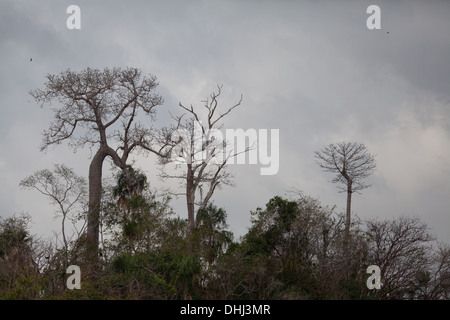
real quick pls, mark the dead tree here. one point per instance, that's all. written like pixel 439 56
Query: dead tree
pixel 199 148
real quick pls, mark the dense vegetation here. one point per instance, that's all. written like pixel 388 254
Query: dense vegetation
pixel 294 249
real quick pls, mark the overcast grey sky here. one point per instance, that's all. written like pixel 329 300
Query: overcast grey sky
pixel 311 69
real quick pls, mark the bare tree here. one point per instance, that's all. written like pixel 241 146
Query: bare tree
pixel 401 248
pixel 440 273
pixel 195 145
pixel 65 189
pixel 352 163
pixel 101 106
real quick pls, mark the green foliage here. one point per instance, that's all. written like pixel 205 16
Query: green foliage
pixel 19 278
pixel 14 234
pixel 161 275
pixel 138 277
pixel 25 286
pixel 294 249
pixel 210 236
pixel 134 218
pixel 129 183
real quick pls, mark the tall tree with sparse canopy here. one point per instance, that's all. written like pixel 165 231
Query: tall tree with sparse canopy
pixel 99 109
pixel 352 163
pixel 195 145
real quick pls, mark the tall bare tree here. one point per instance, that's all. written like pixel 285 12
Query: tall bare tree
pixel 195 145
pixel 352 163
pixel 101 106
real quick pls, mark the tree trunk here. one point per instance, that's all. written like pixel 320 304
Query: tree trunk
pixel 95 197
pixel 190 199
pixel 348 214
